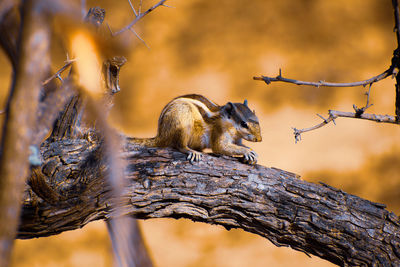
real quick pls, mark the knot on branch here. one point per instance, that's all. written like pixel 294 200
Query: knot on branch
pixel 266 79
pixel 297 134
pixel 95 16
pixel 359 111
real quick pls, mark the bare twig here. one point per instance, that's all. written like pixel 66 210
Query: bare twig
pixel 372 80
pixel 139 17
pixel 168 6
pixel 133 8
pixel 57 75
pixel 333 114
pixel 360 111
pixel 396 19
pixel 83 8
pixel 140 6
pixel 109 28
pixel 140 38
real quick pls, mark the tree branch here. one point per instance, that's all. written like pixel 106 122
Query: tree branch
pixel 33 61
pixel 393 70
pixel 57 75
pixel 396 58
pixel 139 17
pixel 280 78
pixel 316 219
pixel 334 114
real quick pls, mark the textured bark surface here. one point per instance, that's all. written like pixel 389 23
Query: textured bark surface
pixel 69 190
pixel 17 134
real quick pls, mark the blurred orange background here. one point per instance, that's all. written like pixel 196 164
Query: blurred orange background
pixel 214 48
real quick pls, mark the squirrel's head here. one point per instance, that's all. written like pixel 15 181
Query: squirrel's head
pixel 244 120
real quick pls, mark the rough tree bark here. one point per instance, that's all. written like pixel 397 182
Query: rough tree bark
pixel 69 190
pixel 32 60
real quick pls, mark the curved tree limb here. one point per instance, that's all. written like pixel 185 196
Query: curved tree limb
pixel 69 190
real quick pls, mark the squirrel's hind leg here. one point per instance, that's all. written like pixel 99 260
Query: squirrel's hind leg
pixel 182 144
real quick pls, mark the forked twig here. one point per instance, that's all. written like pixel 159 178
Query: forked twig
pixel 360 111
pixel 334 114
pixel 133 8
pixel 140 38
pixel 139 17
pixel 57 75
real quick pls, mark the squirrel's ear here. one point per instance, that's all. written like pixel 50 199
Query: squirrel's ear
pixel 228 109
pixel 245 102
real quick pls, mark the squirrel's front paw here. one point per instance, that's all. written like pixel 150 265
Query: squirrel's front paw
pixel 194 156
pixel 250 157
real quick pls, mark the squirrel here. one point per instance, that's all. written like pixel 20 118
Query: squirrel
pixel 191 123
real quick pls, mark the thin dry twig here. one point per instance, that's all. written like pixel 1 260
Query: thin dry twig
pixel 133 8
pixel 280 78
pixel 395 5
pixel 334 114
pixel 140 6
pixel 360 111
pixel 109 28
pixel 83 8
pixel 139 17
pixel 57 75
pixel 140 38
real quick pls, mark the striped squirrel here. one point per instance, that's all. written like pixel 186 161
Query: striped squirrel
pixel 191 123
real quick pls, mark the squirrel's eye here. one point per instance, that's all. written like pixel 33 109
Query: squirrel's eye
pixel 244 124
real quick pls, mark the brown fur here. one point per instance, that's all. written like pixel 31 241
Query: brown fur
pixel 191 123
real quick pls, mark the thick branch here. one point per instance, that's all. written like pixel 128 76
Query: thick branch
pixel 22 105
pixel 69 191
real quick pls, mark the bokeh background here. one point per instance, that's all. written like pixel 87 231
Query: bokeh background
pixel 214 48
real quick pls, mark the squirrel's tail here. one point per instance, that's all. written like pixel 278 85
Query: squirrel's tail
pixel 147 142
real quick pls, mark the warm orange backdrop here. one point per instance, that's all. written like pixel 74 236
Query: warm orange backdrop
pixel 215 48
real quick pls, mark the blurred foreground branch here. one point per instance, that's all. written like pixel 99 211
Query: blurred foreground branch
pixel 316 219
pixel 30 66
